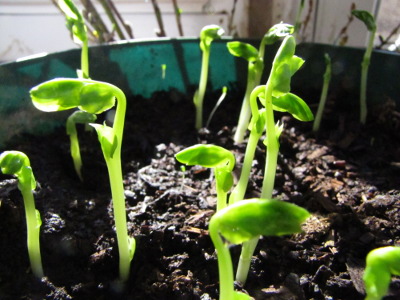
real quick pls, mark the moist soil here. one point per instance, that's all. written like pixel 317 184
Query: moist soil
pixel 347 176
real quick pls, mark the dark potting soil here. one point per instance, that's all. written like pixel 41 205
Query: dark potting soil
pixel 347 176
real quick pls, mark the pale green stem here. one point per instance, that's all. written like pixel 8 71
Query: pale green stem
pixel 221 195
pixel 75 151
pixel 322 100
pixel 199 98
pixel 85 60
pixel 117 189
pixel 225 268
pixel 268 182
pixel 245 112
pixel 239 191
pixel 33 231
pixel 364 78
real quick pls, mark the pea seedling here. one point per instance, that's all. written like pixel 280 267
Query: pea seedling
pixel 275 95
pixel 18 164
pixel 244 221
pixel 207 35
pixel 216 157
pixel 96 97
pixel 382 263
pixel 324 93
pixel 369 22
pixel 255 69
pixel 78 117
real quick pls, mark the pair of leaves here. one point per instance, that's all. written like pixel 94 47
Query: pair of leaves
pixel 59 94
pixel 208 34
pixel 211 156
pixel 17 163
pixel 247 219
pixel 284 66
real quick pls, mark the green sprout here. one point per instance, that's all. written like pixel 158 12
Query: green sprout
pixel 78 117
pixel 297 22
pixel 255 69
pixel 275 95
pixel 221 98
pixel 216 157
pixel 96 97
pixel 244 221
pixel 207 35
pixel 76 25
pixel 382 263
pixel 18 164
pixel 369 22
pixel 324 93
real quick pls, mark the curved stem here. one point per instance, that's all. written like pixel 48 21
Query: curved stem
pixel 199 98
pixel 225 268
pixel 33 231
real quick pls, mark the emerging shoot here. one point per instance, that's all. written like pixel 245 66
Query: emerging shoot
pixel 244 221
pixel 275 95
pixel 78 117
pixel 96 97
pixel 18 164
pixel 216 157
pixel 255 69
pixel 324 93
pixel 382 263
pixel 207 35
pixel 221 98
pixel 369 22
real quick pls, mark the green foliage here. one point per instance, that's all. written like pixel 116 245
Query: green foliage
pixel 107 138
pixel 245 220
pixel 366 18
pixel 244 50
pixel 208 34
pixel 59 94
pixel 277 32
pixel 211 156
pixel 75 22
pixel 382 263
pixel 18 164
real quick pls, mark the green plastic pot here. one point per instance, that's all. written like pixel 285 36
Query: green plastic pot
pixel 136 67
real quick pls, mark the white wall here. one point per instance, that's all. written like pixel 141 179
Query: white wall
pixel 34 26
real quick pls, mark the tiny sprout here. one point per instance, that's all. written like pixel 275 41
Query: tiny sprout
pixel 216 157
pixel 247 220
pixel 78 117
pixel 382 263
pixel 96 97
pixel 221 98
pixel 369 22
pixel 18 164
pixel 207 35
pixel 324 93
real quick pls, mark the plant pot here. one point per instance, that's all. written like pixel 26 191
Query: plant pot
pixel 342 176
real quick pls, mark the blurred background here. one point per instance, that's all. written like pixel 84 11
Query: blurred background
pixel 29 27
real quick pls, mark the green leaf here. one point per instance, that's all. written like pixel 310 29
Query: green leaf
pixel 208 34
pixel 277 32
pixel 224 179
pixel 382 263
pixel 294 105
pixel 79 117
pixel 132 247
pixel 244 50
pixel 209 156
pixel 96 98
pixel 57 94
pixel 26 178
pixel 248 219
pixel 75 22
pixel 107 138
pixel 366 18
pixel 66 93
pixel 12 162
